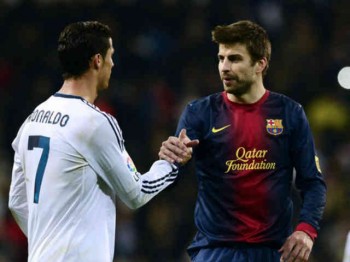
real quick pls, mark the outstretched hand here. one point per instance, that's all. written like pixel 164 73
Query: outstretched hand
pixel 178 149
pixel 297 247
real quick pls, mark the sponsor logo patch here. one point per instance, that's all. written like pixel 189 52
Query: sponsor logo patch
pixel 249 159
pixel 216 130
pixel 131 165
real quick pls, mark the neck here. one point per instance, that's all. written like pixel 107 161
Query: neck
pixel 84 86
pixel 253 95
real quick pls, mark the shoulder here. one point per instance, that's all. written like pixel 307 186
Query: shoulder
pixel 204 103
pixel 293 112
pixel 102 118
pixel 90 113
pixel 98 126
pixel 285 101
pixel 83 116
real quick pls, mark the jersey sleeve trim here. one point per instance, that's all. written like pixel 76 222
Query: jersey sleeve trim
pixel 308 229
pixel 153 186
pixel 115 127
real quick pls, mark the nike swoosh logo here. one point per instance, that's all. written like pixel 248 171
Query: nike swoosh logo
pixel 216 130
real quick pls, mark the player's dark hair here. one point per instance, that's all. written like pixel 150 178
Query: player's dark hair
pixel 245 32
pixel 78 43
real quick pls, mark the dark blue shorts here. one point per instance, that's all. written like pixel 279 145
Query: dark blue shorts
pixel 241 254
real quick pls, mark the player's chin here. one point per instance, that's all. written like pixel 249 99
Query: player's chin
pixel 230 88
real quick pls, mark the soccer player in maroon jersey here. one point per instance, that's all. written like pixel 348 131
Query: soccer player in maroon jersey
pixel 251 142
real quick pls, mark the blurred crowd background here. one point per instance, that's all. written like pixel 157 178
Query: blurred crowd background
pixel 165 58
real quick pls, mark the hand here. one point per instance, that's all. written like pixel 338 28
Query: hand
pixel 177 149
pixel 297 247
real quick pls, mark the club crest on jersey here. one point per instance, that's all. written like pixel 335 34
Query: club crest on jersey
pixel 274 126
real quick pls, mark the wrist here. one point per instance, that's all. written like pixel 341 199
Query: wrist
pixel 308 229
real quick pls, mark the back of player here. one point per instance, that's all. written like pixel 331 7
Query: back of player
pixel 70 159
pixel 64 200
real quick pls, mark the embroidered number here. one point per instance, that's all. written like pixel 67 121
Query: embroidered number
pixel 44 143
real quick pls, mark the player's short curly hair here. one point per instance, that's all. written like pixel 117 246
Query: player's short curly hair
pixel 78 43
pixel 248 33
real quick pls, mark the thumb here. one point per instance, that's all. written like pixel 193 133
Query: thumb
pixel 192 143
pixel 182 135
pixel 185 139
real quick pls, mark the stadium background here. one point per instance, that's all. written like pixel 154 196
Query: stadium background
pixel 164 58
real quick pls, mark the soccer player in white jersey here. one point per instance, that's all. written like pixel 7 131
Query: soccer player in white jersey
pixel 70 161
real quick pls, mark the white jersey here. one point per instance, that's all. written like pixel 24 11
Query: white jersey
pixel 69 163
pixel 346 257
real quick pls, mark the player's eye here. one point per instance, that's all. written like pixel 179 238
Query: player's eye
pixel 234 58
pixel 220 58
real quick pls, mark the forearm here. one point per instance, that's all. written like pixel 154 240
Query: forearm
pixel 314 200
pixel 136 190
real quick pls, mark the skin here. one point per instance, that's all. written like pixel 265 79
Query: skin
pixel 178 149
pixel 106 69
pixel 297 247
pixel 243 81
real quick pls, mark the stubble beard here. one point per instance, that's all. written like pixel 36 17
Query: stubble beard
pixel 239 89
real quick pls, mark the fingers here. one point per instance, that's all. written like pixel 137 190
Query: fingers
pixel 178 149
pixel 182 134
pixel 173 150
pixel 177 143
pixel 304 254
pixel 294 254
pixel 186 140
pixel 296 248
pixel 192 143
pixel 286 249
pixel 168 156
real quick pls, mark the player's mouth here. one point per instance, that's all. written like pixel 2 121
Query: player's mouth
pixel 229 80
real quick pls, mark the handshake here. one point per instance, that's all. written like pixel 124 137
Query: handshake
pixel 178 149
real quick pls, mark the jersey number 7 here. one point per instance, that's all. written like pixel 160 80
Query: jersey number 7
pixel 44 143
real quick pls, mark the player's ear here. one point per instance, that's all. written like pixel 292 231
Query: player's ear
pixel 96 61
pixel 261 65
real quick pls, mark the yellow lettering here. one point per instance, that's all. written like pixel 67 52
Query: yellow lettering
pixel 240 154
pixel 261 153
pixel 243 156
pixel 229 164
pixel 250 154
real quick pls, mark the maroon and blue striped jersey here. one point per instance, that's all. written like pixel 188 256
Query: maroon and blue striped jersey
pixel 245 166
